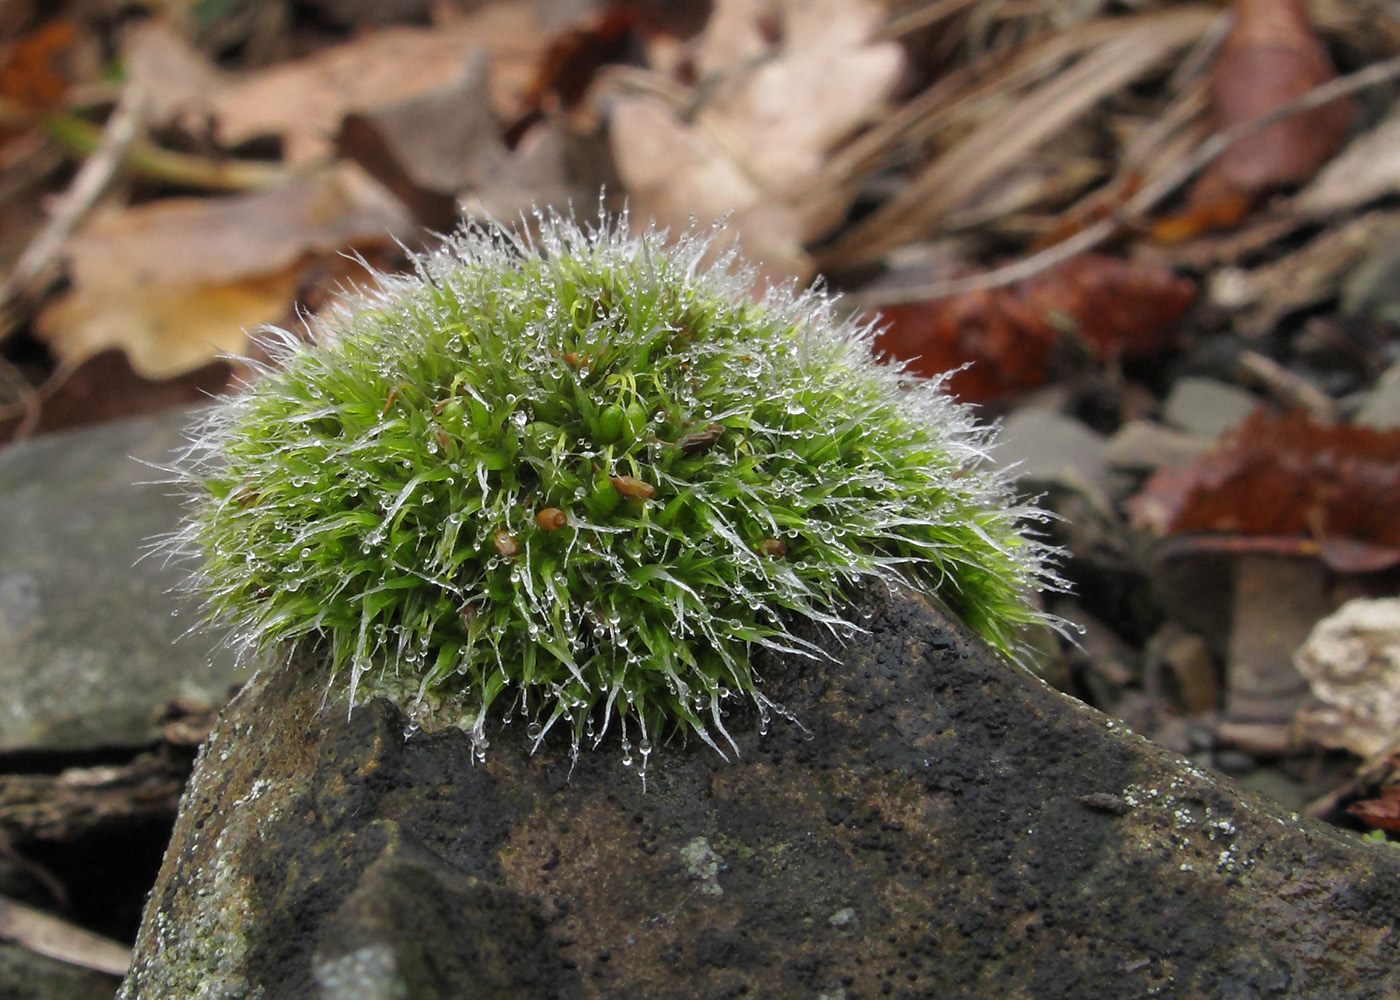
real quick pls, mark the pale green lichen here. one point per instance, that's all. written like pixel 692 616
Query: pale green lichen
pixel 580 478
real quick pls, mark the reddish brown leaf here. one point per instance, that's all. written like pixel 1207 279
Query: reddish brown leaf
pixel 1383 811
pixel 1271 57
pixel 30 72
pixel 1112 307
pixel 1281 476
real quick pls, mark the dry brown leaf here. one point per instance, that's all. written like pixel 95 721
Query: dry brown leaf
pixel 442 155
pixel 176 79
pixel 776 111
pixel 176 282
pixel 167 330
pixel 1272 56
pixel 304 101
pixel 428 147
pixel 572 60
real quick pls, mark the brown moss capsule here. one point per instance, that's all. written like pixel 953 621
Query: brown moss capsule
pixel 631 486
pixel 574 359
pixel 773 547
pixel 466 614
pixel 702 440
pixel 505 543
pixel 551 518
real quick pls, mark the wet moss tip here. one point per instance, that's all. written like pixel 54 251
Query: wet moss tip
pixel 577 478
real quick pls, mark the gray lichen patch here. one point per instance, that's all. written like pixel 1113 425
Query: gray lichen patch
pixel 703 865
pixel 368 973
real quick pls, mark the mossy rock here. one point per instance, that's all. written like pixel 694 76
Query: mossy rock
pixel 940 824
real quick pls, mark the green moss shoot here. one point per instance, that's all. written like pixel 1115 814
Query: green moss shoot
pixel 578 479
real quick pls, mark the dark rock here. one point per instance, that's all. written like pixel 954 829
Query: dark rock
pixel 952 827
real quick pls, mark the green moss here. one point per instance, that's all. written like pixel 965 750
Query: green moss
pixel 580 479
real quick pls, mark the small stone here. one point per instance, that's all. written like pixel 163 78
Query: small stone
pixel 1049 448
pixel 1141 445
pixel 1352 664
pixel 1205 407
pixel 91 645
pixel 1381 409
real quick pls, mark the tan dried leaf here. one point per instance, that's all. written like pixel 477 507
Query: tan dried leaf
pixel 176 282
pixel 304 101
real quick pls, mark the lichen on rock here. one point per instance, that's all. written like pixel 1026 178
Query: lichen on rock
pixel 577 478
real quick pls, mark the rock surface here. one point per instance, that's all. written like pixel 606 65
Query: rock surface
pixel 951 828
pixel 88 640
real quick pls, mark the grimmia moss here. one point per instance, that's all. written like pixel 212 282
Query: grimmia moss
pixel 579 478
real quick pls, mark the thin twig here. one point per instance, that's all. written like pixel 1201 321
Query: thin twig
pixel 146 159
pixel 1144 201
pixel 1287 386
pixel 45 934
pixel 88 184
